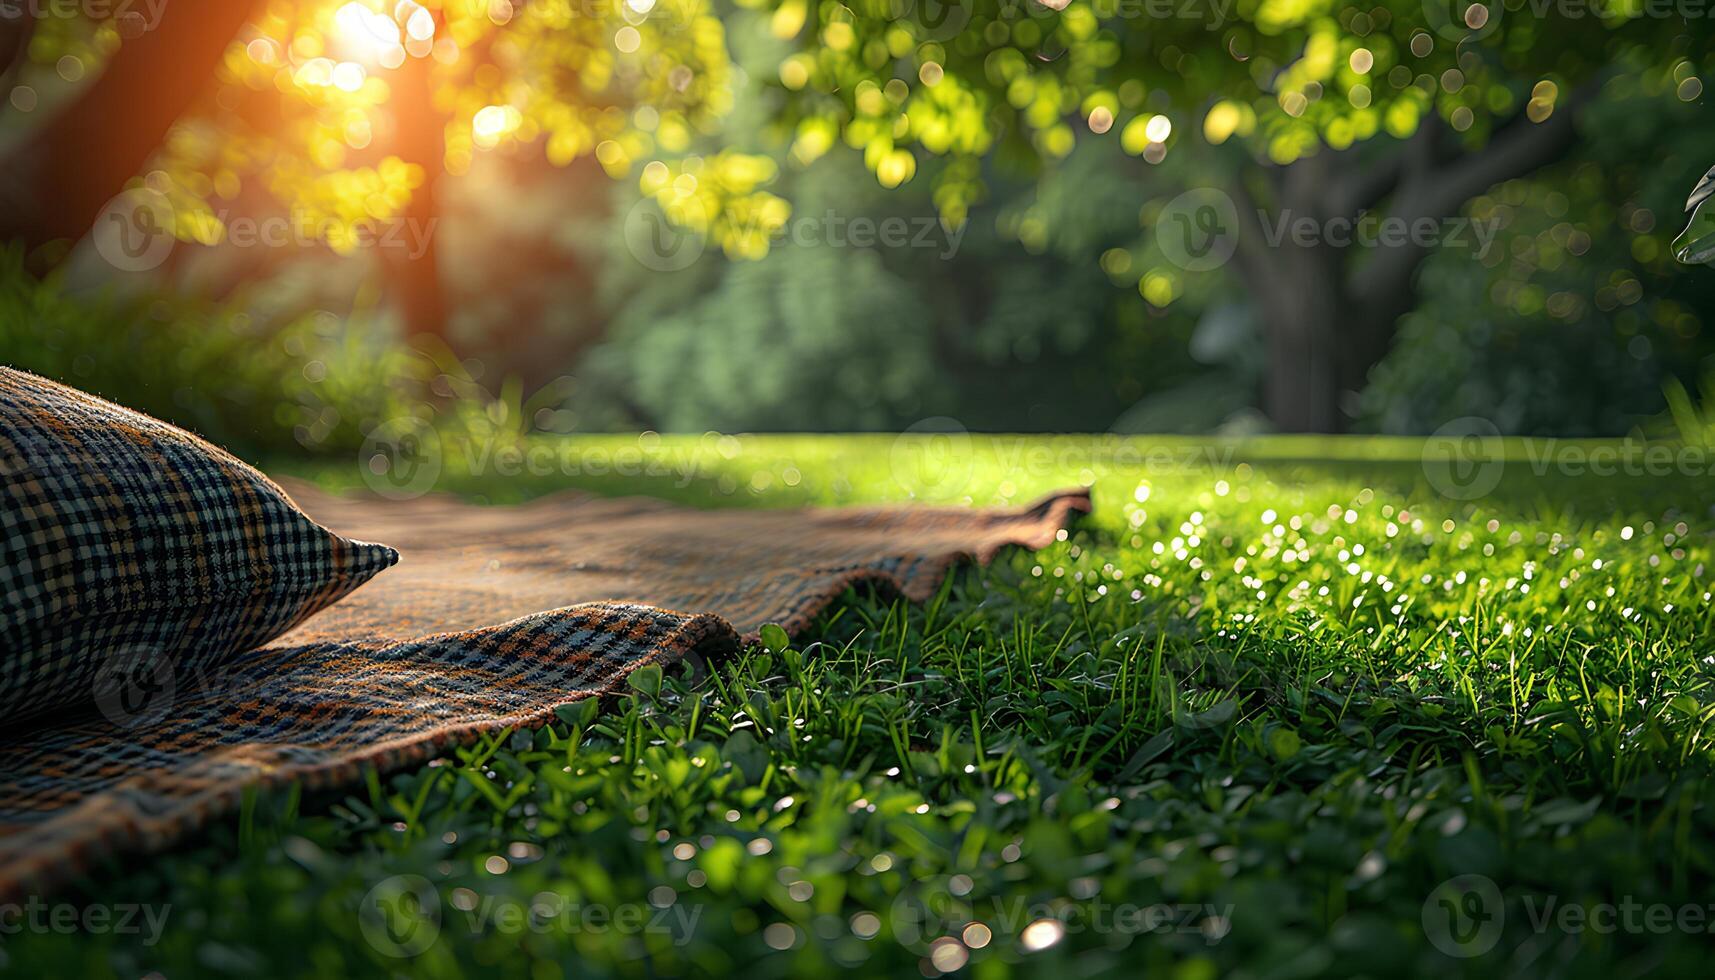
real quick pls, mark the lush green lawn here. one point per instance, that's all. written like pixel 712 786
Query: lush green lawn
pixel 1252 717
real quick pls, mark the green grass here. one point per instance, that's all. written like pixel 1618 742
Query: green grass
pixel 1247 719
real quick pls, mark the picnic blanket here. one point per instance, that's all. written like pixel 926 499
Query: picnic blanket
pixel 495 617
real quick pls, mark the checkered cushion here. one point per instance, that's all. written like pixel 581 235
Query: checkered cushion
pixel 128 545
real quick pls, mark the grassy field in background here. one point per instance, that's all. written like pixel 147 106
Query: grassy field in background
pixel 1278 708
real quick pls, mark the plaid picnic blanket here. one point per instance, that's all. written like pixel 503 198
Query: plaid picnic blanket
pixel 494 618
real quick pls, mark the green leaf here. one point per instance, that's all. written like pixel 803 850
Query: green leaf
pixel 1159 743
pixel 1696 244
pixel 746 754
pixel 579 714
pixel 1215 717
pixel 646 680
pixel 1284 743
pixel 1566 811
pixel 774 639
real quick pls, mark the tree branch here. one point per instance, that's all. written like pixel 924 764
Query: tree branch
pixel 1518 148
pixel 1374 183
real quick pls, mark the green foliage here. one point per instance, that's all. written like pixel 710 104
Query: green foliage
pixel 1692 416
pixel 808 338
pixel 312 385
pixel 255 387
pixel 1287 80
pixel 340 112
pixel 1569 326
pixel 1579 313
pixel 830 334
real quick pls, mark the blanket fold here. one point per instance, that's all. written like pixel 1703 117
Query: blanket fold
pixel 494 618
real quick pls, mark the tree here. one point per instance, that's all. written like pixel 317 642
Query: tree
pixel 350 113
pixel 59 180
pixel 1319 112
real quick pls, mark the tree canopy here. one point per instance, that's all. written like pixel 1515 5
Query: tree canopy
pixel 307 106
pixel 347 116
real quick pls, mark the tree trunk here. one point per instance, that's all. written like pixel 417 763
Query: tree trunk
pixel 411 259
pixel 1301 390
pixel 1299 290
pixel 413 269
pixel 57 181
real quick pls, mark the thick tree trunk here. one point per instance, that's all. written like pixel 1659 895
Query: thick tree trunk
pixel 411 259
pixel 1299 290
pixel 1301 390
pixel 57 181
pixel 413 269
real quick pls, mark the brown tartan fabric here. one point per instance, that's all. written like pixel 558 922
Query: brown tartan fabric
pixel 127 544
pixel 455 642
